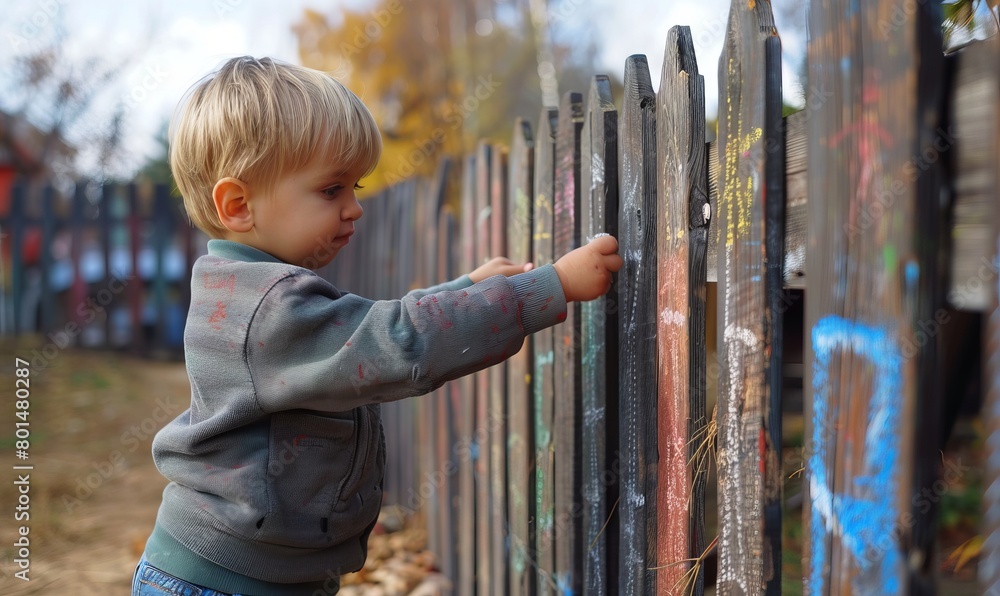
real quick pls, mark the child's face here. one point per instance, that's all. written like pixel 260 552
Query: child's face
pixel 308 216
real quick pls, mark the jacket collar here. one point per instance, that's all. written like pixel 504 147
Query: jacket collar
pixel 228 249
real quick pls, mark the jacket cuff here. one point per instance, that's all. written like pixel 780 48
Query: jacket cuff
pixel 540 296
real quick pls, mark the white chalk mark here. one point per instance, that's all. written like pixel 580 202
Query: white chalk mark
pixel 673 317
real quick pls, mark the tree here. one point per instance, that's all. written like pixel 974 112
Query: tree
pixel 61 96
pixel 438 75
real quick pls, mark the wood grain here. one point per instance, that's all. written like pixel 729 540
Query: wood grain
pixel 637 356
pixel 744 455
pixel 599 346
pixel 681 231
pixel 497 378
pixel 566 364
pixel 542 378
pixel 520 430
pixel 463 405
pixel 875 242
pixel 485 417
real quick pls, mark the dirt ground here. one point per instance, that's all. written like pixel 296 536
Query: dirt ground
pixel 94 490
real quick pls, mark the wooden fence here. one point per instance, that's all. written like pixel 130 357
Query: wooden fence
pixel 582 464
pixel 105 266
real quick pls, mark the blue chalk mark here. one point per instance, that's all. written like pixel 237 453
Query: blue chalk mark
pixel 562 581
pixel 912 274
pixel 864 524
pixel 474 450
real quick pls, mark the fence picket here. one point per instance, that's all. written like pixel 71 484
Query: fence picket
pixel 566 365
pixel 746 456
pixel 542 378
pixel 872 279
pixel 681 232
pixel 599 346
pixel 637 355
pixel 520 431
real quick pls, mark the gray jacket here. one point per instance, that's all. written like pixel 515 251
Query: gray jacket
pixel 276 468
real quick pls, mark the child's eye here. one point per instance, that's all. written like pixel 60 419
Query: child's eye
pixel 358 187
pixel 332 191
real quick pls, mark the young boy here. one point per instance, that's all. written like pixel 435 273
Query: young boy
pixel 276 468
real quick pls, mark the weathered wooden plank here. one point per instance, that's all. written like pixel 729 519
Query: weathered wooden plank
pixel 745 90
pixel 135 290
pixel 446 433
pixel 463 406
pixel 497 377
pixel 104 233
pixel 520 430
pixel 542 380
pixel 874 245
pixel 637 357
pixel 163 231
pixel 977 120
pixel 485 418
pixel 18 216
pixel 974 112
pixel 775 305
pixel 45 261
pixel 78 288
pixel 566 365
pixel 681 231
pixel 599 346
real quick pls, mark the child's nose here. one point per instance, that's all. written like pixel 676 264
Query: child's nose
pixel 355 211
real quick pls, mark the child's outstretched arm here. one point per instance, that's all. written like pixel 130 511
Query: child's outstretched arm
pixel 499 266
pixel 496 266
pixel 310 347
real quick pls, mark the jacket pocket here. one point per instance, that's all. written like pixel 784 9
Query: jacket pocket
pixel 364 484
pixel 311 460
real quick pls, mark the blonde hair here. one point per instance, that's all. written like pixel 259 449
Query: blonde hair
pixel 256 120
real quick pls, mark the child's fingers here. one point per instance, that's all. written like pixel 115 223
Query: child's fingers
pixel 613 262
pixel 528 267
pixel 605 244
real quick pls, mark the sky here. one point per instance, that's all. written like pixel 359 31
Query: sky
pixel 170 45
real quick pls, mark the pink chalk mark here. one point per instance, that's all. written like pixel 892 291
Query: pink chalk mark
pixel 218 315
pixel 361 371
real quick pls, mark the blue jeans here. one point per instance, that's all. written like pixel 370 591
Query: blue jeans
pixel 150 581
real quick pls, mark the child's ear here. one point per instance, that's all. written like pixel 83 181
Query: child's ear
pixel 231 203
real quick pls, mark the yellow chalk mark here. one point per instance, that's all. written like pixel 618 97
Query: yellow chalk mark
pixel 737 196
pixel 750 139
pixel 751 4
pixel 527 379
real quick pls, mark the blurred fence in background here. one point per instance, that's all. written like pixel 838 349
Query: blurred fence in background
pixel 104 266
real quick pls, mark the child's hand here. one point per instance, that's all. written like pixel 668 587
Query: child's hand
pixel 585 273
pixel 499 266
